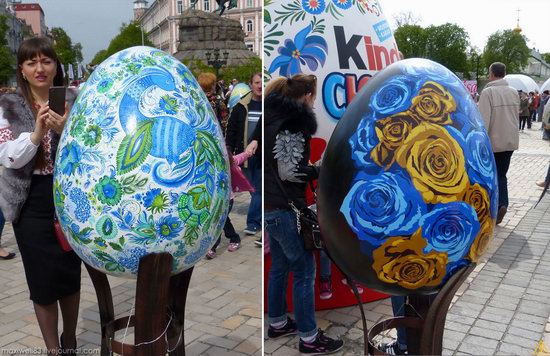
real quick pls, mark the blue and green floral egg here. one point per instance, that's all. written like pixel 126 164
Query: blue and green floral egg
pixel 238 92
pixel 141 166
pixel 408 191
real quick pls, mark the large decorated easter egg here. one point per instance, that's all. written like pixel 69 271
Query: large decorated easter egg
pixel 237 94
pixel 141 165
pixel 342 42
pixel 408 189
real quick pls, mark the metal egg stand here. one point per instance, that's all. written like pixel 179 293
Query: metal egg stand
pixel 424 318
pixel 159 309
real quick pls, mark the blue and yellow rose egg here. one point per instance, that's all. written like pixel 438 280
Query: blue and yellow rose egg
pixel 417 199
pixel 141 165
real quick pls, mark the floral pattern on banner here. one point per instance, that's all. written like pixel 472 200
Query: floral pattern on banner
pixel 306 48
pixel 422 196
pixel 141 166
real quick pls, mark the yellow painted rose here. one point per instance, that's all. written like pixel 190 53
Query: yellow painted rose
pixel 401 260
pixel 478 198
pixel 392 132
pixel 434 104
pixel 481 243
pixel 435 162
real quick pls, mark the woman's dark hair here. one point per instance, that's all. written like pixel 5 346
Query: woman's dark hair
pixel 30 49
pixel 294 87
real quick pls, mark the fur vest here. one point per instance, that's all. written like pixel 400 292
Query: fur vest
pixel 15 183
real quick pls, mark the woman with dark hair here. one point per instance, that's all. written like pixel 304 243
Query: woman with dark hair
pixel 29 135
pixel 289 126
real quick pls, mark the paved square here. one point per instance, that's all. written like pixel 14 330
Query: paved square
pixel 223 312
pixel 503 306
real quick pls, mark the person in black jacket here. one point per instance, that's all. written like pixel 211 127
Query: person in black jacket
pixel 240 135
pixel 289 126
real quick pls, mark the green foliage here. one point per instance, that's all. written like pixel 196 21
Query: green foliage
pixel 508 47
pixel 447 44
pixel 65 49
pixel 7 60
pixel 242 72
pixel 475 64
pixel 129 36
pixel 546 57
pixel 100 57
pixel 411 41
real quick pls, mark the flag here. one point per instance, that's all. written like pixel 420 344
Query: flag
pixel 63 70
pixel 71 72
pixel 79 71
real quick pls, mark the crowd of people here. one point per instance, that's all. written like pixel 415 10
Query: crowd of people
pixel 29 134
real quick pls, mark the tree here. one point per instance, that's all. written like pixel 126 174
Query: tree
pixel 508 47
pixel 66 51
pixel 411 40
pixel 99 57
pixel 546 57
pixel 130 35
pixel 448 44
pixel 77 48
pixel 406 18
pixel 7 60
pixel 240 72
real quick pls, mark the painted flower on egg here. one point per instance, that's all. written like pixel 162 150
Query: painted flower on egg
pixel 421 198
pixel 142 167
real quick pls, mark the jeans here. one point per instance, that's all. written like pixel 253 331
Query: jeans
pixel 2 223
pixel 254 174
pixel 502 160
pixel 325 265
pixel 288 255
pixel 228 230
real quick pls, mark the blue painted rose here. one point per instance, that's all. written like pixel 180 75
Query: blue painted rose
pixel 450 228
pixel 363 141
pixel 394 96
pixel 480 159
pixel 382 205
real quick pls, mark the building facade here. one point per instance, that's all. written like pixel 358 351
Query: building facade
pixel 32 15
pixel 537 67
pixel 160 20
pixel 17 29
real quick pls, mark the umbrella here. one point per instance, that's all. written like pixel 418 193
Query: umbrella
pixel 521 82
pixel 545 86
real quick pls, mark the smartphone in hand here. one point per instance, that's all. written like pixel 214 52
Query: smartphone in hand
pixel 56 100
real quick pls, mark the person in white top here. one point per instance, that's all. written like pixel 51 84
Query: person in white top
pixel 29 134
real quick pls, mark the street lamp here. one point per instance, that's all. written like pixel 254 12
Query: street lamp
pixel 216 62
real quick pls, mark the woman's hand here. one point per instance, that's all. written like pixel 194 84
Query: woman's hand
pixel 56 122
pixel 40 128
pixel 252 147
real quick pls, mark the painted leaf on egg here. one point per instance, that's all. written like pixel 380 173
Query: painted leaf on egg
pixel 134 148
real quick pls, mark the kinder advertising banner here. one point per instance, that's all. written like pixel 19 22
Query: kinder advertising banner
pixel 342 42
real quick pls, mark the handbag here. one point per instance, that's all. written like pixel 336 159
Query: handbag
pixel 306 220
pixel 61 239
pixel 239 183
